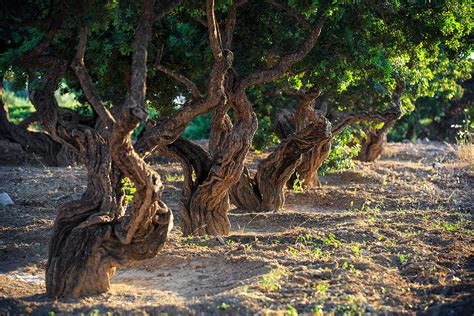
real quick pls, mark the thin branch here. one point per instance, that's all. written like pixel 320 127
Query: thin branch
pixel 86 81
pixel 170 6
pixel 286 61
pixel 213 31
pixel 201 20
pixel 301 20
pixel 167 130
pixel 230 23
pixel 188 83
pixel 390 115
pixel 139 60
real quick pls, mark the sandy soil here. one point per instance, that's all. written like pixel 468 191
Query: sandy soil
pixel 395 236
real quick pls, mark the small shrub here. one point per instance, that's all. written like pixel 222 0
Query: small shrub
pixel 128 188
pixel 298 184
pixel 271 280
pixel 344 147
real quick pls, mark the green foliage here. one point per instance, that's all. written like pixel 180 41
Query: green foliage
pixel 344 147
pixel 223 306
pixel 298 184
pixel 291 311
pixel 272 280
pixel 199 128
pixel 264 136
pixel 439 117
pixel 174 177
pixel 128 188
pixel 402 259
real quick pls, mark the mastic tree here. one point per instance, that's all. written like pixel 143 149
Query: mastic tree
pixel 382 44
pixel 233 124
pixel 109 65
pixel 439 117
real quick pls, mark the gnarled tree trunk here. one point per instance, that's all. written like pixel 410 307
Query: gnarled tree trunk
pixel 307 169
pixel 312 161
pixel 209 199
pixel 53 153
pixel 265 191
pixel 372 146
pixel 95 234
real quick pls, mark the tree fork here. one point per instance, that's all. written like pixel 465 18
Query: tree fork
pixel 265 191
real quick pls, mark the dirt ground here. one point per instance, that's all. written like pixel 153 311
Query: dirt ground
pixel 395 236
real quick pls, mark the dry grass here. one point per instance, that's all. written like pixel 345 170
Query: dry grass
pixel 466 153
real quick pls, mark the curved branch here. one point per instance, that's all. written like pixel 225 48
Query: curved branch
pixel 168 129
pixel 86 81
pixel 230 23
pixel 286 61
pixel 301 20
pixel 188 83
pixel 392 114
pixel 170 6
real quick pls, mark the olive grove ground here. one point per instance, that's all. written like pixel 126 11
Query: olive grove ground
pixel 392 236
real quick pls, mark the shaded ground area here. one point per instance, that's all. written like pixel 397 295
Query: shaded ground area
pixel 394 236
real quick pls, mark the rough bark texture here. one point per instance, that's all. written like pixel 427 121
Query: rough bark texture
pixel 265 191
pixel 206 197
pixel 39 143
pixel 95 234
pixel 312 161
pixel 209 202
pixel 372 147
pixel 307 170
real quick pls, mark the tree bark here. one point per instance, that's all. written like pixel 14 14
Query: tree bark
pixel 53 153
pixel 95 234
pixel 372 147
pixel 265 191
pixel 307 170
pixel 312 161
pixel 209 202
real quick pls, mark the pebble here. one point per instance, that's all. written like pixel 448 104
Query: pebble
pixel 5 199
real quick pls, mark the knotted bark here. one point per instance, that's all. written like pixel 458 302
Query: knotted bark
pixel 206 197
pixel 372 146
pixel 39 143
pixel 265 191
pixel 312 161
pixel 95 234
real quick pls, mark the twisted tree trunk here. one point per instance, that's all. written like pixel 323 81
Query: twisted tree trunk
pixel 372 146
pixel 95 234
pixel 307 169
pixel 205 209
pixel 265 191
pixel 53 153
pixel 312 161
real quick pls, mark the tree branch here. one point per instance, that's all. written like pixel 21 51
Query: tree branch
pixel 230 23
pixel 301 20
pixel 392 114
pixel 86 81
pixel 188 83
pixel 213 31
pixel 167 130
pixel 139 60
pixel 286 61
pixel 170 6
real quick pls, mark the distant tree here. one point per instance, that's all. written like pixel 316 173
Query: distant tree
pixel 382 44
